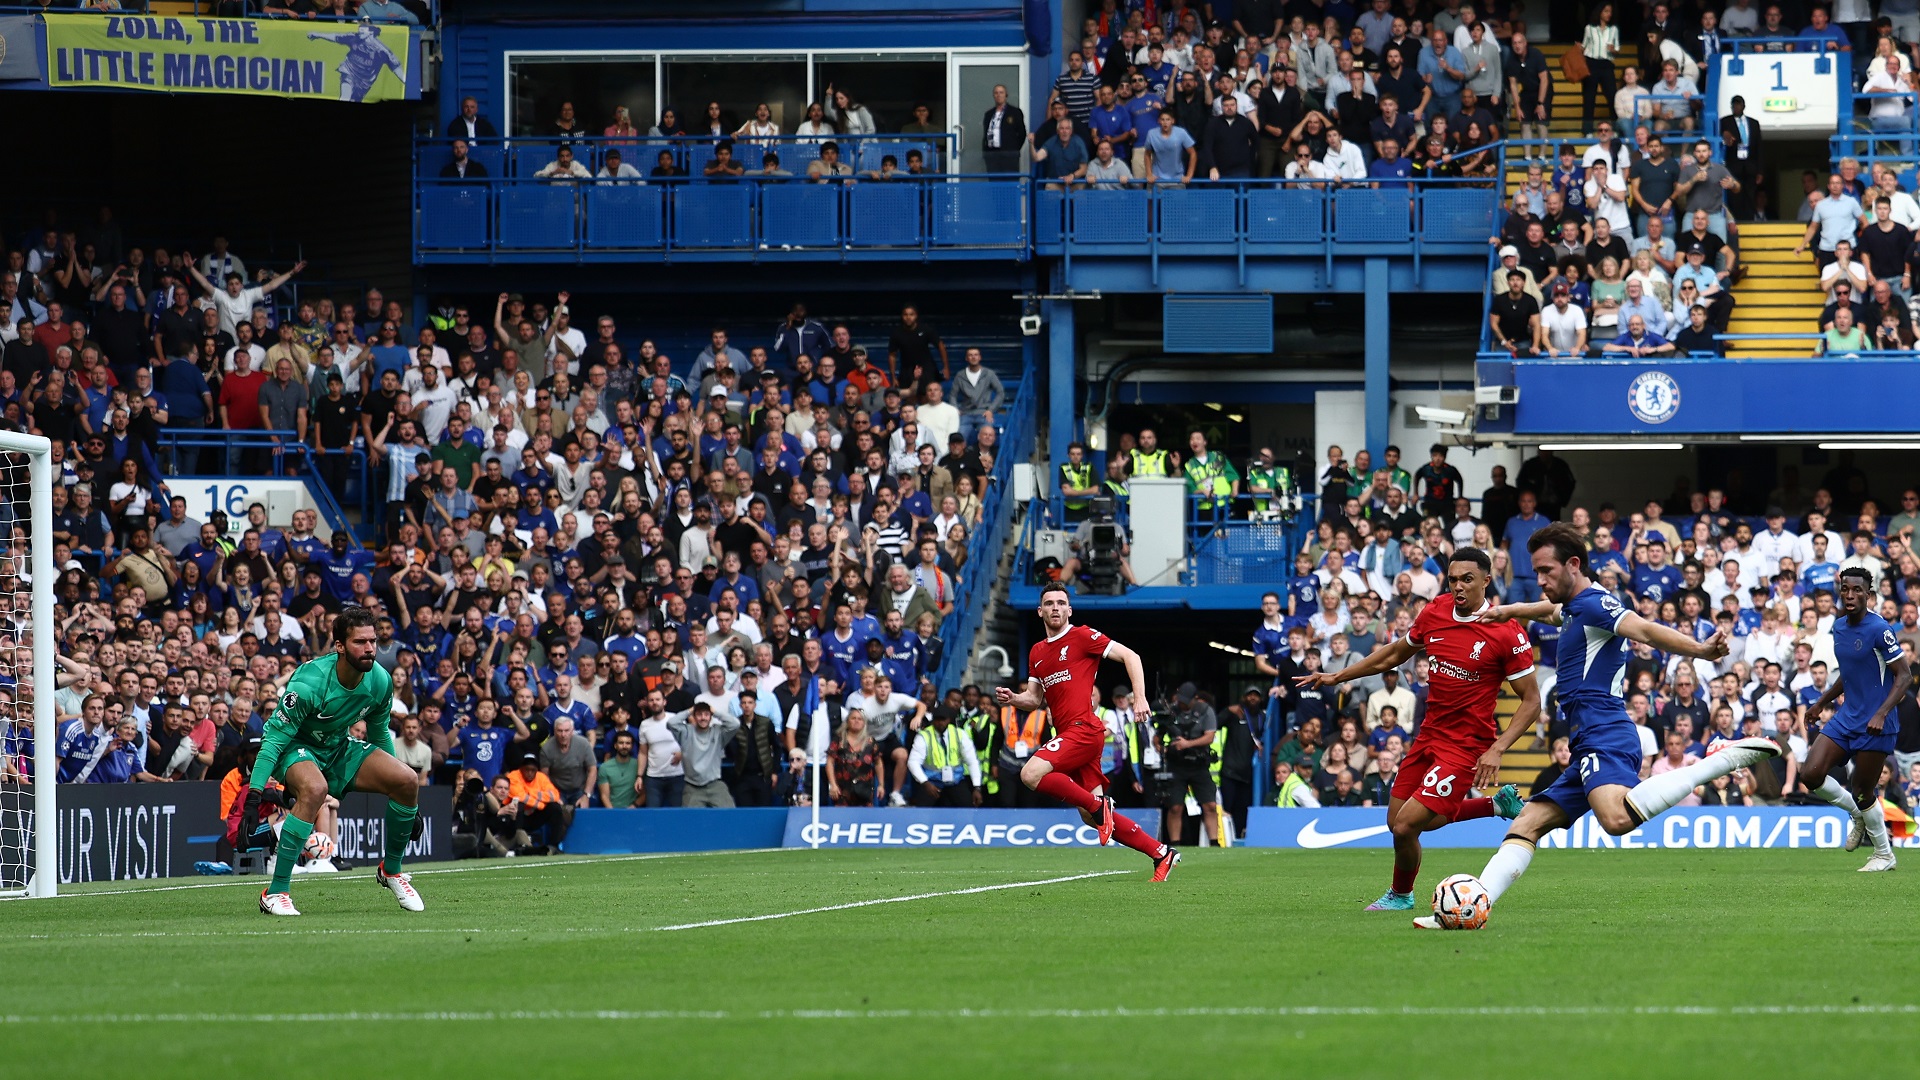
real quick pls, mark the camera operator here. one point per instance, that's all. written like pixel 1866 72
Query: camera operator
pixel 1187 734
pixel 1100 548
pixel 1240 725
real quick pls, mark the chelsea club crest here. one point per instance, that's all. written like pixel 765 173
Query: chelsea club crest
pixel 1653 397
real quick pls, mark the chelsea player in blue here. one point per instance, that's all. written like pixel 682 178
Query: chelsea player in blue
pixel 1874 677
pixel 1591 670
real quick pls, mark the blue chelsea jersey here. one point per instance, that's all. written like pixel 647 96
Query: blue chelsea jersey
pixel 1866 653
pixel 1592 659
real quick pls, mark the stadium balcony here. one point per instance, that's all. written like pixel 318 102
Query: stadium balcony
pixel 515 216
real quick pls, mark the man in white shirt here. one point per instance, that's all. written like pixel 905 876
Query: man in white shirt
pixel 1727 583
pixel 1304 167
pixel 616 169
pixel 1343 158
pixel 433 402
pixel 938 418
pixel 1336 567
pixel 1774 542
pixel 1888 113
pixel 235 301
pixel 1565 325
pixel 1817 525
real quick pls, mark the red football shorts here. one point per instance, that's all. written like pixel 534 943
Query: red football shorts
pixel 1075 752
pixel 1438 775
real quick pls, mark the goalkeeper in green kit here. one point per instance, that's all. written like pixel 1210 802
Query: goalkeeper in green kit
pixel 305 746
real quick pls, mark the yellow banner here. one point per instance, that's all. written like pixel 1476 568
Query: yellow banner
pixel 336 61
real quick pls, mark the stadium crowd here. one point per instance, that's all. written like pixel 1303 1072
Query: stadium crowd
pixel 635 579
pixel 1686 561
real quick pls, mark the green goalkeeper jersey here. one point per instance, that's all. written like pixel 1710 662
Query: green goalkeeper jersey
pixel 316 712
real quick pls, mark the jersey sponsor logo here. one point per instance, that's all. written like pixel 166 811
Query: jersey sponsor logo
pixel 1055 679
pixel 1653 397
pixel 484 750
pixel 1310 835
pixel 1452 670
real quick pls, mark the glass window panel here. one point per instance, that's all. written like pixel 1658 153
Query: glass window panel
pixel 889 85
pixel 739 85
pixel 595 86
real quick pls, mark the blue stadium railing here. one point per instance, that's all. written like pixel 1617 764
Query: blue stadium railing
pixel 987 541
pixel 685 220
pixel 1265 218
pixel 288 450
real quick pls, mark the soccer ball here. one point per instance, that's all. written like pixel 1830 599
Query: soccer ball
pixel 1461 903
pixel 321 846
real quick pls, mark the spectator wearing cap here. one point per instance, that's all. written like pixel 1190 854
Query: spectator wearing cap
pixel 1563 326
pixel 702 739
pixel 944 765
pixel 1717 300
pixel 1509 262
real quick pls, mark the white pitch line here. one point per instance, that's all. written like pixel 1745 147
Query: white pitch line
pixel 503 864
pixel 1246 1012
pixel 890 900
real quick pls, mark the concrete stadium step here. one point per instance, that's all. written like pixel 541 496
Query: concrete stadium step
pixel 1771 299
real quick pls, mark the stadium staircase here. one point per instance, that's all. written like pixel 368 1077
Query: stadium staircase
pixel 1524 762
pixel 1780 293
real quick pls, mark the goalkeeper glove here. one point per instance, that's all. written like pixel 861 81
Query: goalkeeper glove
pixel 250 821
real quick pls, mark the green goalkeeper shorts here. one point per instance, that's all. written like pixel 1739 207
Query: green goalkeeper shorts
pixel 338 764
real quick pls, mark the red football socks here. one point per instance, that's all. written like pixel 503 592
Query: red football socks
pixel 1135 837
pixel 1474 808
pixel 1403 879
pixel 1054 785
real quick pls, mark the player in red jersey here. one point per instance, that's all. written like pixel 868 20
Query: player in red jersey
pixel 1060 673
pixel 1459 745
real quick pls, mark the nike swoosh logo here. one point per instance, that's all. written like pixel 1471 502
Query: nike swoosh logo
pixel 1311 836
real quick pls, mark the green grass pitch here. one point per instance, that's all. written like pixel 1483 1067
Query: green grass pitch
pixel 1252 963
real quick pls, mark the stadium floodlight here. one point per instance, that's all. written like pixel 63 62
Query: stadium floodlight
pixel 29 859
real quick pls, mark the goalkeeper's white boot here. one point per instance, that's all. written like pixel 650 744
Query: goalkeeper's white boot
pixel 278 903
pixel 401 886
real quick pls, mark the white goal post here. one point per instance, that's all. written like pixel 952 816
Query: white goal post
pixel 29 853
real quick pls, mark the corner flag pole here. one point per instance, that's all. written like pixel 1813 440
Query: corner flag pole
pixel 816 753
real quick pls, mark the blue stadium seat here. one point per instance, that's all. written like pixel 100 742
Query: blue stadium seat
pixel 1284 215
pixel 1197 215
pixel 696 155
pixel 626 216
pixel 538 214
pixel 645 154
pixel 707 215
pixel 1460 215
pixel 433 157
pixel 453 216
pixel 1109 217
pixel 884 214
pixel 1366 216
pixel 796 156
pixel 799 214
pixel 979 213
pixel 491 156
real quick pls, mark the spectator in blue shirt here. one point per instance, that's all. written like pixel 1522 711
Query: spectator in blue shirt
pixel 1638 340
pixel 1063 158
pixel 1657 579
pixel 483 747
pixel 1110 120
pixel 1520 528
pixel 1819 29
pixel 1820 572
pixel 340 562
pixel 1445 71
pixel 1390 170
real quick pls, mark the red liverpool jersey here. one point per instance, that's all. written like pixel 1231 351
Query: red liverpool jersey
pixel 1065 667
pixel 1466 663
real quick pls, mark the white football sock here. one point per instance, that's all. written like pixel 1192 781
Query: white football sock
pixel 1833 791
pixel 1505 868
pixel 1876 816
pixel 1657 794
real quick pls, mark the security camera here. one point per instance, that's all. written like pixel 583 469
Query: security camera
pixel 1439 416
pixel 1030 325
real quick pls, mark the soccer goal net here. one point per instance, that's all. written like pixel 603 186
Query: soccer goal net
pixel 29 863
